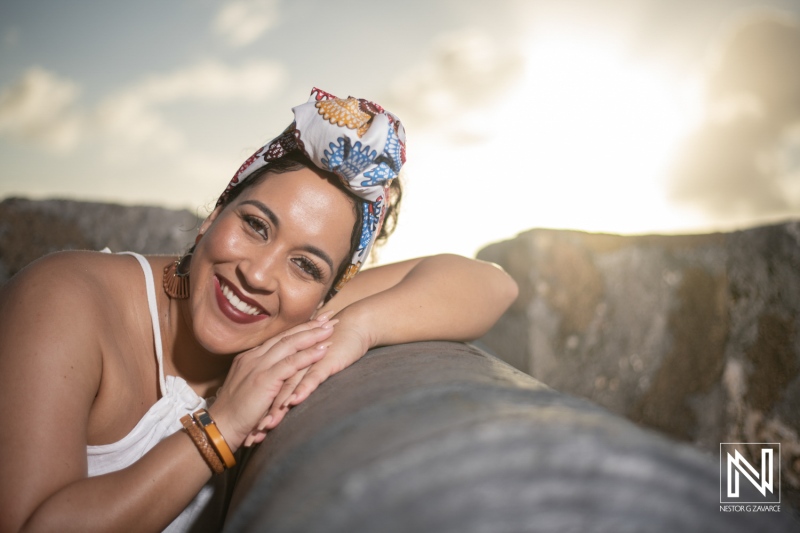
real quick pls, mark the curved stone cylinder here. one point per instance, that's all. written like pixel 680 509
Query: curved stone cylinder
pixel 443 437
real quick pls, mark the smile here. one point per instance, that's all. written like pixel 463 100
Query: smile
pixel 233 304
pixel 236 302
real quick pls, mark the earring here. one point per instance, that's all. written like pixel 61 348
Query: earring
pixel 176 278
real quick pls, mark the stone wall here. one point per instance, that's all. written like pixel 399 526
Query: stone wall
pixel 695 336
pixel 30 229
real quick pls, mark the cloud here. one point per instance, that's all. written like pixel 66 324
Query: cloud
pixel 134 116
pixel 212 81
pixel 242 22
pixel 744 161
pixel 466 72
pixel 42 107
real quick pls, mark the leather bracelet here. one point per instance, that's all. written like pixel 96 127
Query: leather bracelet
pixel 200 440
pixel 204 420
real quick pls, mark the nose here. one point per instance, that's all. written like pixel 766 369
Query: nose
pixel 261 272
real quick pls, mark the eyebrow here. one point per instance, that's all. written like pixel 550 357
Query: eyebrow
pixel 276 222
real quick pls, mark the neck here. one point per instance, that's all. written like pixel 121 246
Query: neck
pixel 185 357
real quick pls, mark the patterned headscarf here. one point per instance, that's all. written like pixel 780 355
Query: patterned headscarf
pixel 360 142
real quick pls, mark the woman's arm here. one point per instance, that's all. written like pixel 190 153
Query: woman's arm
pixel 443 297
pixel 50 372
pixel 51 368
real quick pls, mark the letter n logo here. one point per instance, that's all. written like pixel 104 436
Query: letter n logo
pixel 737 474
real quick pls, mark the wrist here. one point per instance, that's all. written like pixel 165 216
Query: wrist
pixel 203 419
pixel 232 437
pixel 358 318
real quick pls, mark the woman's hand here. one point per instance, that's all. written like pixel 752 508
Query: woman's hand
pixel 258 375
pixel 443 297
pixel 347 344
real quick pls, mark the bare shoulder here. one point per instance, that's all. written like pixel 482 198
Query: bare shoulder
pixel 49 286
pixel 53 317
pixel 52 313
pixel 61 305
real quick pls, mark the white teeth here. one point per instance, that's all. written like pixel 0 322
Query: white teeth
pixel 237 303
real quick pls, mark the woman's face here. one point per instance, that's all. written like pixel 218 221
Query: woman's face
pixel 266 261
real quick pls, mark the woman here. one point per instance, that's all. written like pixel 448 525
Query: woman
pixel 103 378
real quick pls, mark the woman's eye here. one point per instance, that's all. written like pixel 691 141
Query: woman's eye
pixel 308 266
pixel 257 225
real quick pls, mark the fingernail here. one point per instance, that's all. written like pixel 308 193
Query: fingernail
pixel 323 346
pixel 264 423
pixel 324 316
pixel 330 323
pixel 285 404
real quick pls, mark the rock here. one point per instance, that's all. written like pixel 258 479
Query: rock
pixel 696 336
pixel 30 229
pixel 442 437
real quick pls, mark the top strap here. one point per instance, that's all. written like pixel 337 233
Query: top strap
pixel 151 303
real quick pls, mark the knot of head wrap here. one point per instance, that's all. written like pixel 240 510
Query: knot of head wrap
pixel 359 141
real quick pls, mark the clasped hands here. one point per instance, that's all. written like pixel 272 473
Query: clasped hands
pixel 265 381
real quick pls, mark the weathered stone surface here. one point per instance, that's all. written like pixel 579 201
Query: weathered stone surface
pixel 30 229
pixel 442 437
pixel 696 336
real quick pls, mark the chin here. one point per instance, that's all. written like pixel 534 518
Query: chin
pixel 226 342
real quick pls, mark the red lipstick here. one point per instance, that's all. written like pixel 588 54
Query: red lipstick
pixel 230 311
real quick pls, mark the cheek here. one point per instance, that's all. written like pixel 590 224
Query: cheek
pixel 221 239
pixel 300 301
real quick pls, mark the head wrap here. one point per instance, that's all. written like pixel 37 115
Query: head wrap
pixel 360 142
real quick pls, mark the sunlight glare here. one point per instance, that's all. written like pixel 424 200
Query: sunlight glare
pixel 583 141
pixel 598 131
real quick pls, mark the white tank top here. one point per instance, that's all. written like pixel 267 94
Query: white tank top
pixel 206 511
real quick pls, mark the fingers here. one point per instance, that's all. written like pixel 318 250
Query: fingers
pixel 256 437
pixel 324 317
pixel 296 342
pixel 290 370
pixel 277 374
pixel 263 348
pixel 283 362
pixel 282 399
pixel 289 397
pixel 280 406
pixel 312 379
pixel 257 377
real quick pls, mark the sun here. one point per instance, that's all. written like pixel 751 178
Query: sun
pixel 583 141
pixel 600 130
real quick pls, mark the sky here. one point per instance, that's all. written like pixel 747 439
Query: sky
pixel 622 116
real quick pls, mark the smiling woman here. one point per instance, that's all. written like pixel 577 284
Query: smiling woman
pixel 268 259
pixel 130 403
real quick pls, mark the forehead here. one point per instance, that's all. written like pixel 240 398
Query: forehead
pixel 308 207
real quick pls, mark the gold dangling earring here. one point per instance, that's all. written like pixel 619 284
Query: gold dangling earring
pixel 176 278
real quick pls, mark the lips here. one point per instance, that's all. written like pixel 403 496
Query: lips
pixel 234 305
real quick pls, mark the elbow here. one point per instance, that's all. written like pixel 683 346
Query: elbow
pixel 501 289
pixel 505 290
pixel 501 292
pixel 510 290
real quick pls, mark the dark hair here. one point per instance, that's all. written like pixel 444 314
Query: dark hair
pixel 296 161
